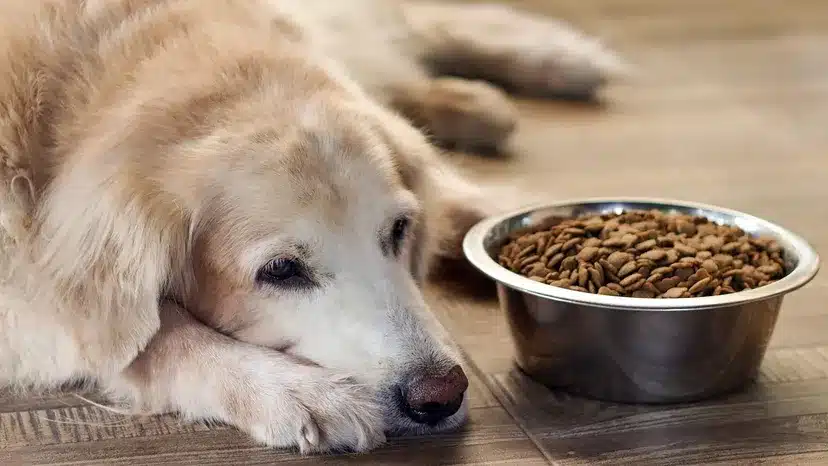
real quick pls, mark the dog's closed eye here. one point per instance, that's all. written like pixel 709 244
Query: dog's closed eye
pixel 284 272
pixel 399 232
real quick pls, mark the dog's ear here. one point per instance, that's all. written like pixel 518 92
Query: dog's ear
pixel 105 246
pixel 415 177
pixel 459 206
pixel 450 203
pixel 451 206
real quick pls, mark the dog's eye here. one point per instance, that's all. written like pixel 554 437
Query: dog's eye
pixel 280 271
pixel 398 233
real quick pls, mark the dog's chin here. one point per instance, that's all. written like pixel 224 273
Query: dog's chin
pixel 400 425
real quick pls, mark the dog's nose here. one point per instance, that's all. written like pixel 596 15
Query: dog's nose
pixel 429 400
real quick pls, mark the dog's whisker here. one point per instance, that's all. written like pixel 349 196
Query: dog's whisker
pixel 109 408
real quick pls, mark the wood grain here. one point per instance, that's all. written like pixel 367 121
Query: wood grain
pixel 730 108
pixel 88 435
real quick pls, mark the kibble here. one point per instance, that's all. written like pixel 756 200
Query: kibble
pixel 644 254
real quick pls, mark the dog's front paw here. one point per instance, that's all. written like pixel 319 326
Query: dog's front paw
pixel 468 115
pixel 316 413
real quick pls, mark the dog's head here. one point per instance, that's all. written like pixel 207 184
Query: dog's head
pixel 309 237
pixel 283 210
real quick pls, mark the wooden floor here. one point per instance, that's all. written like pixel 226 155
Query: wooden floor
pixel 731 109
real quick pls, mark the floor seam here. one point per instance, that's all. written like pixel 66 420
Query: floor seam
pixel 483 377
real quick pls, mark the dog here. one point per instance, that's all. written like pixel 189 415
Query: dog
pixel 227 209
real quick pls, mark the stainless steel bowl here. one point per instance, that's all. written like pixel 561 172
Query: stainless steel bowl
pixel 638 350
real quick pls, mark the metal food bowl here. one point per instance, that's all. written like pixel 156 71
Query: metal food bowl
pixel 638 350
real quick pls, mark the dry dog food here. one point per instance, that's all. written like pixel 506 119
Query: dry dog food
pixel 644 254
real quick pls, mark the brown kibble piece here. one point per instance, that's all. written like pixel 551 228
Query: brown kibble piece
pixel 730 247
pixel 614 242
pixel 674 292
pixel 608 291
pixel 615 287
pixel 672 256
pixel 627 269
pixel 527 260
pixel 654 255
pixel 685 250
pixel 618 259
pixel 571 243
pixel 684 273
pixel 608 268
pixel 631 279
pixel 768 269
pixel 570 263
pixel 526 251
pixel 553 250
pixel 704 255
pixel 594 225
pixel 646 245
pixel 700 274
pixel 710 266
pixel 596 276
pixel 555 260
pixel 654 277
pixel 699 285
pixel 635 286
pixel 723 260
pixel 587 254
pixel 685 227
pixel 667 283
pixel 662 271
pixel 734 273
pixel 583 276
pixel 651 287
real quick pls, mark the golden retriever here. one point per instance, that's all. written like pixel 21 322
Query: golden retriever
pixel 223 209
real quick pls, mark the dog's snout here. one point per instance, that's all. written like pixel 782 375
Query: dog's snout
pixel 429 400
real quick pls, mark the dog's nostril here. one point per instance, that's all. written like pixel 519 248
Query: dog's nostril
pixel 429 400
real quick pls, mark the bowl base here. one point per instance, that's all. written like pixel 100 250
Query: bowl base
pixel 636 399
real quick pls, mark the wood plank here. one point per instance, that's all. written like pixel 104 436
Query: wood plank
pixel 785 413
pixel 61 428
pixel 88 435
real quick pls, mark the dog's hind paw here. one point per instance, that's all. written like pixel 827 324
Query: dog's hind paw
pixel 552 58
pixel 527 53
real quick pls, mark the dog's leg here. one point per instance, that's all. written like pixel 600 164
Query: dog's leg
pixel 191 369
pixel 520 51
pixel 457 113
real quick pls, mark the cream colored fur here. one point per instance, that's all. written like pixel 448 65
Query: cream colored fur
pixel 158 153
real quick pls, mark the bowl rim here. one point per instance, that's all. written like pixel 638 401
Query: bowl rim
pixel 807 267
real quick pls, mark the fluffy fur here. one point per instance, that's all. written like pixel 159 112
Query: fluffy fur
pixel 158 155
